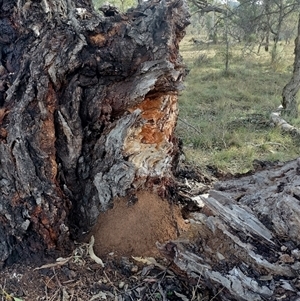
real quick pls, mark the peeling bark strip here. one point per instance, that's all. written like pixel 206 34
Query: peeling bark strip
pixel 88 106
pixel 244 242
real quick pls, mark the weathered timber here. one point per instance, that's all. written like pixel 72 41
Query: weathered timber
pixel 244 239
pixel 88 106
pixel 283 124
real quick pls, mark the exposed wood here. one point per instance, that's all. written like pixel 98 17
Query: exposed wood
pixel 279 121
pixel 244 240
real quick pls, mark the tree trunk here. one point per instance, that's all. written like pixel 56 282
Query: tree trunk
pixel 289 93
pixel 243 240
pixel 88 110
pixel 268 28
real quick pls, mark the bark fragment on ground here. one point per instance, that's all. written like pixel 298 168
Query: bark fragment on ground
pixel 244 239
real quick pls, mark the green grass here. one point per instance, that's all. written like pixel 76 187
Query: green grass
pixel 224 118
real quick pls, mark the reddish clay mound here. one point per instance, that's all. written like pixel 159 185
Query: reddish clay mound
pixel 133 230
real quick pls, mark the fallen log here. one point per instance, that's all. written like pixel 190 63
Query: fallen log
pixel 244 241
pixel 277 120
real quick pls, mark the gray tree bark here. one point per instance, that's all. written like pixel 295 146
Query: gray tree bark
pixel 88 106
pixel 289 93
pixel 243 242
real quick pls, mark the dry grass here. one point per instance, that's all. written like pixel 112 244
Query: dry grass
pixel 224 118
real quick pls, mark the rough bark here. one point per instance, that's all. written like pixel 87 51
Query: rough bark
pixel 289 93
pixel 244 238
pixel 88 109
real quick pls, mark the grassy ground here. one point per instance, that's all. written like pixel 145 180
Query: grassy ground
pixel 224 118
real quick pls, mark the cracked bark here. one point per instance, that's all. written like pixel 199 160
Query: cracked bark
pixel 243 242
pixel 88 110
pixel 289 93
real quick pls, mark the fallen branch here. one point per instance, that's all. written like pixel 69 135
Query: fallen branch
pixel 269 143
pixel 283 124
pixel 191 126
pixel 59 262
pixel 243 240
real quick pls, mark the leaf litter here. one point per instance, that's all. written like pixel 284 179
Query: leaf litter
pixel 83 276
pixel 79 277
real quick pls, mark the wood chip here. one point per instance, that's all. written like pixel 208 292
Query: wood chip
pixel 92 254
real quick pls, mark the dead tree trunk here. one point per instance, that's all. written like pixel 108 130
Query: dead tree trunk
pixel 289 93
pixel 88 106
pixel 244 241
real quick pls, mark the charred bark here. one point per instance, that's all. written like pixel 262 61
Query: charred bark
pixel 243 240
pixel 88 109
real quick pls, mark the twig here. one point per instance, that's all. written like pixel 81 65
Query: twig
pixel 59 262
pixel 73 292
pixel 130 290
pixel 195 288
pixel 59 285
pixel 162 293
pixel 220 291
pixel 111 283
pixel 46 286
pixel 186 123
pixel 269 143
pixel 54 295
pixel 158 287
pixel 69 281
pixel 56 278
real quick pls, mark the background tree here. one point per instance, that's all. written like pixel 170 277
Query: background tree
pixel 276 12
pixel 252 22
pixel 289 93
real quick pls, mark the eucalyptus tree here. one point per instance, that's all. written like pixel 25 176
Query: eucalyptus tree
pixel 275 13
pixel 289 93
pixel 250 21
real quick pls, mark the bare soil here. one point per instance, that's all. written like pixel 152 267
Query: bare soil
pixel 132 229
